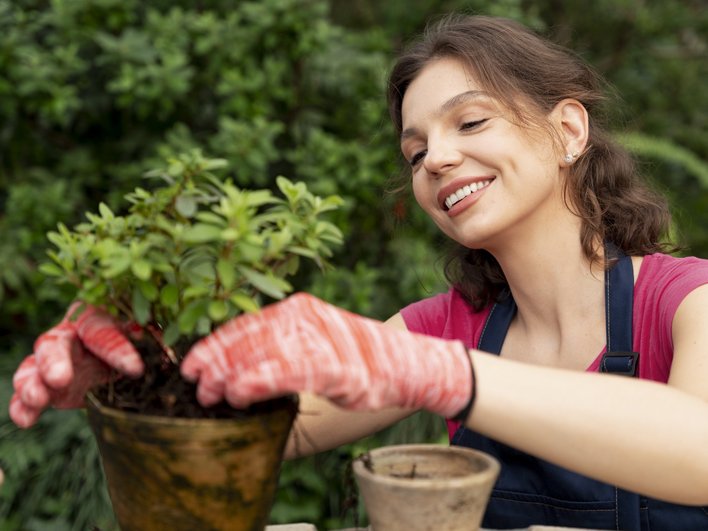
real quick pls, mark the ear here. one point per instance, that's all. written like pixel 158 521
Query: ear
pixel 571 120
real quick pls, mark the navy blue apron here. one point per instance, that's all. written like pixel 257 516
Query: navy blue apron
pixel 533 491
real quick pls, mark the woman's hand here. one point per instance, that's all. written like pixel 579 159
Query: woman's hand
pixel 305 344
pixel 68 360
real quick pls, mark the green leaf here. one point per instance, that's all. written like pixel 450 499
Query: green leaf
pixel 227 273
pixel 292 265
pixel 215 164
pixel 171 334
pixel 258 198
pixel 303 251
pixel 141 269
pixel 244 302
pixel 210 218
pixel 331 202
pixel 201 233
pixel 105 211
pixel 230 234
pixel 169 295
pixel 149 290
pixel 51 270
pixel 176 168
pixel 141 307
pixel 197 290
pixel 186 205
pixel 116 264
pixel 289 189
pixel 272 286
pixel 188 318
pixel 204 326
pixel 218 310
pixel 57 239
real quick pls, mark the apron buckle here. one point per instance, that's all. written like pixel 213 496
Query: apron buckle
pixel 622 363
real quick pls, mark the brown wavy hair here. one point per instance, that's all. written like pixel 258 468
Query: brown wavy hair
pixel 529 75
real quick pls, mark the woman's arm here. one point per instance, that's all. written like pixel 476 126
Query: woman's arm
pixel 640 435
pixel 321 425
pixel 643 436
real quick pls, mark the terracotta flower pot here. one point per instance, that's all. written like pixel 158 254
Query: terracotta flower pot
pixel 425 487
pixel 186 474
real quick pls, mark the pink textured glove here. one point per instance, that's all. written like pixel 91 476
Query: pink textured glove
pixel 305 344
pixel 68 360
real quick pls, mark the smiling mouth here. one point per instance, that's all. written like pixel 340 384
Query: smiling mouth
pixel 463 192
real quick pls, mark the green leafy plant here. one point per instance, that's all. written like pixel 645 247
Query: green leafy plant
pixel 193 251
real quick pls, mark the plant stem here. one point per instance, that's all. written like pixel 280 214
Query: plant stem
pixel 157 336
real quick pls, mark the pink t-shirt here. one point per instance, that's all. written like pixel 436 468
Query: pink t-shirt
pixel 663 282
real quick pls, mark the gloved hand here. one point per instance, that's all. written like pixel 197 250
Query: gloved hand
pixel 305 344
pixel 68 360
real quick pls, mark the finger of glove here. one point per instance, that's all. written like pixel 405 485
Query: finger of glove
pixel 239 342
pixel 351 390
pixel 210 390
pixel 268 379
pixel 100 335
pixel 221 347
pixel 53 355
pixel 205 353
pixel 29 386
pixel 21 414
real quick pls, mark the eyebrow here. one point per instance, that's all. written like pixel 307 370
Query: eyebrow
pixel 453 102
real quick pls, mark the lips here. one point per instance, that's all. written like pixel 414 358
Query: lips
pixel 461 188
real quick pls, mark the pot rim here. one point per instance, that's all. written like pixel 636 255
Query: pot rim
pixel 92 402
pixel 473 478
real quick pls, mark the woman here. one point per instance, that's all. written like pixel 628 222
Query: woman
pixel 559 256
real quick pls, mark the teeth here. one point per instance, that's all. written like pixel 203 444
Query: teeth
pixel 464 192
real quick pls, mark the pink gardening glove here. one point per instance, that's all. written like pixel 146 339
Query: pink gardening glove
pixel 68 360
pixel 305 344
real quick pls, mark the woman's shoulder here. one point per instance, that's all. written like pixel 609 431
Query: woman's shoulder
pixel 664 281
pixel 447 315
pixel 660 271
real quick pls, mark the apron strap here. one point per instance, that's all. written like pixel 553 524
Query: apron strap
pixel 497 324
pixel 618 359
pixel 619 295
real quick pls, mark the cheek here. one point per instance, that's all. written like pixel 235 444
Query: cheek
pixel 424 195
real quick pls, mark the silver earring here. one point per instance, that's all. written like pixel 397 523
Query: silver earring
pixel 570 157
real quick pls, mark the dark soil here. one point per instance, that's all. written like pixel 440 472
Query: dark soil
pixel 162 391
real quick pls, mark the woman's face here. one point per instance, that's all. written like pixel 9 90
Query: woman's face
pixel 482 179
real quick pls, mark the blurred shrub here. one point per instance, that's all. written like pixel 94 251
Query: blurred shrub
pixel 95 92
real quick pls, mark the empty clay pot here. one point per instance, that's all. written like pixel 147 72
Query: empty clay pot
pixel 425 487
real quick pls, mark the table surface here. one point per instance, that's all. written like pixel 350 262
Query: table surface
pixel 310 527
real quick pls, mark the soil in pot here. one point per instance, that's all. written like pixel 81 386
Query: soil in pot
pixel 162 391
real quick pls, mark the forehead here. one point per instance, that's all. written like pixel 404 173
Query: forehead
pixel 438 82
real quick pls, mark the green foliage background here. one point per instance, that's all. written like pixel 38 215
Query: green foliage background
pixel 93 93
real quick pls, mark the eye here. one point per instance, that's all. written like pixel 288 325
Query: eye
pixel 417 157
pixel 466 126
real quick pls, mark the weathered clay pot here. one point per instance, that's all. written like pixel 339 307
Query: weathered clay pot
pixel 186 474
pixel 421 487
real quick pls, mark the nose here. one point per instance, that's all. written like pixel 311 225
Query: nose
pixel 442 156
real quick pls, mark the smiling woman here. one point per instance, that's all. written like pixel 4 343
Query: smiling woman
pixel 497 69
pixel 559 287
pixel 465 139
